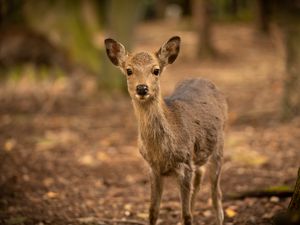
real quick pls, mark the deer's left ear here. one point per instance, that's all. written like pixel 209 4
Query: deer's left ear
pixel 115 51
pixel 168 52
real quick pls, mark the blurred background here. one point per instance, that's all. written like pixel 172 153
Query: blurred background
pixel 68 148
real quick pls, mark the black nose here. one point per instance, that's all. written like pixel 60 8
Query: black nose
pixel 142 89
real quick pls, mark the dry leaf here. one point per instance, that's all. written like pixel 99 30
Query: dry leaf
pixel 51 194
pixel 207 213
pixel 48 181
pixel 127 213
pixel 102 156
pixel 142 215
pixel 87 160
pixel 10 144
pixel 127 206
pixel 87 219
pixel 46 144
pixel 230 212
pixel 244 155
pixel 274 199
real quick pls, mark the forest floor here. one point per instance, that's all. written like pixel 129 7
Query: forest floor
pixel 71 157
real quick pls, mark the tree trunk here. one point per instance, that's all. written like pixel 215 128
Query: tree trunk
pixel 292 216
pixel 202 13
pixel 262 16
pixel 288 17
pixel 121 19
pixel 233 7
pixel 160 8
pixel 11 12
pixel 295 201
pixel 291 95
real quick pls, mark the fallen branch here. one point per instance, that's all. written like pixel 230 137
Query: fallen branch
pixel 278 191
pixel 135 222
pixel 115 221
pixel 102 221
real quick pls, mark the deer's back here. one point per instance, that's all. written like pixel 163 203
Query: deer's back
pixel 199 97
pixel 200 109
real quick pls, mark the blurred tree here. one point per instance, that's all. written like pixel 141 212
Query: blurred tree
pixel 234 7
pixel 186 7
pixel 202 16
pixel 121 19
pixel 288 16
pixel 232 10
pixel 11 12
pixel 21 44
pixel 262 16
pixel 160 8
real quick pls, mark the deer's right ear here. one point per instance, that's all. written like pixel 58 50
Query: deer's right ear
pixel 168 52
pixel 115 51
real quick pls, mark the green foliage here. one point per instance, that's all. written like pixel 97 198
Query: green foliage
pixel 31 72
pixel 66 24
pixel 228 11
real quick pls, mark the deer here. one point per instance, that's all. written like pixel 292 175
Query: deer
pixel 180 135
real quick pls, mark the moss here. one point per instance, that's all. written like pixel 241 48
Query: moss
pixel 16 220
pixel 279 189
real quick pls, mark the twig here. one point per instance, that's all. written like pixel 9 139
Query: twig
pixel 134 222
pixel 103 221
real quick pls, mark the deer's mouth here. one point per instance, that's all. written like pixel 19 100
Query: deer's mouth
pixel 142 97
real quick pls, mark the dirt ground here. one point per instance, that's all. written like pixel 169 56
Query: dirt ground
pixel 70 156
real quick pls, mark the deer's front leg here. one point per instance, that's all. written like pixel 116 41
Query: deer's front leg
pixel 156 191
pixel 185 177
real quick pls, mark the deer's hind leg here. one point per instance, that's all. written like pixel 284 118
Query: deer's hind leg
pixel 185 178
pixel 215 165
pixel 198 176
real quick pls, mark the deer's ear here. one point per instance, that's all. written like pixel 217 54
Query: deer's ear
pixel 115 51
pixel 168 52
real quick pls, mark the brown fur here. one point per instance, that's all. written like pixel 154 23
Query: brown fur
pixel 180 134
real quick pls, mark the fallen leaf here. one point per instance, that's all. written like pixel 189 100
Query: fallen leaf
pixel 207 213
pixel 51 194
pixel 48 181
pixel 10 144
pixel 230 212
pixel 244 155
pixel 87 160
pixel 127 213
pixel 102 156
pixel 127 206
pixel 45 144
pixel 86 219
pixel 274 199
pixel 142 215
pixel 130 179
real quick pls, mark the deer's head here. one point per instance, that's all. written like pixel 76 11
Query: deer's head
pixel 143 69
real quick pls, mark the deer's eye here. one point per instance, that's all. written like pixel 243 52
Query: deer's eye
pixel 156 72
pixel 129 72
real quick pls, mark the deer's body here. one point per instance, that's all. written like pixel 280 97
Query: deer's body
pixel 184 128
pixel 178 135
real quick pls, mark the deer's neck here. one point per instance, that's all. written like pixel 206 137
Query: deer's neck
pixel 153 120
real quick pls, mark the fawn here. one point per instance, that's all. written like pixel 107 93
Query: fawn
pixel 177 135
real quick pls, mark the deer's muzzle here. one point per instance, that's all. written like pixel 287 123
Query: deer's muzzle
pixel 142 89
